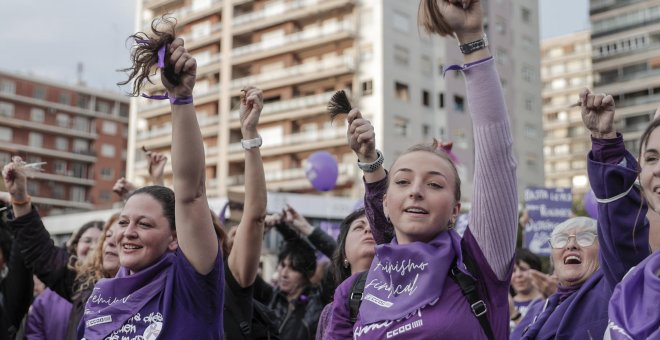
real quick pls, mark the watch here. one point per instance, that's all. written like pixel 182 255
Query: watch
pixel 373 166
pixel 476 45
pixel 251 143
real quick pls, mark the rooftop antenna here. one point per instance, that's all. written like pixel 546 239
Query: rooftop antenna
pixel 79 74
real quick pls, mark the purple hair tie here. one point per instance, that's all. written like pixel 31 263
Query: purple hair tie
pixel 161 51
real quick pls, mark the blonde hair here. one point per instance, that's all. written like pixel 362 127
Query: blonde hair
pixel 90 271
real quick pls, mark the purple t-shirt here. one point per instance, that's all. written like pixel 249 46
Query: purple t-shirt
pixel 48 317
pixel 190 305
pixel 448 317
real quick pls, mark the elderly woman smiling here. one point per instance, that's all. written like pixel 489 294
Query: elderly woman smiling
pixel 591 258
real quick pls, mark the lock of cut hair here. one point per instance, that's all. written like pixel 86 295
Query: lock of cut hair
pixel 144 55
pixel 339 104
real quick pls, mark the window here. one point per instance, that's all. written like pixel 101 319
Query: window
pixel 6 109
pixel 32 159
pixel 63 120
pixel 83 101
pixel 5 157
pixel 401 91
pixel 426 130
pixel 109 128
pixel 33 188
pixel 81 123
pixel 79 170
pixel 35 139
pixel 6 134
pixel 102 107
pixel 64 98
pixel 528 73
pixel 108 150
pixel 37 115
pixel 426 98
pixel 441 100
pixel 401 55
pixel 7 86
pixel 459 104
pixel 580 181
pixel 525 14
pixel 123 110
pixel 39 92
pixel 107 174
pixel 529 104
pixel 105 195
pixel 500 25
pixel 401 126
pixel 78 194
pixel 60 167
pixel 401 22
pixel 80 145
pixel 58 191
pixel 367 87
pixel 62 143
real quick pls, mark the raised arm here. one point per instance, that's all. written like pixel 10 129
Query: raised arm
pixel 157 162
pixel 622 227
pixel 316 236
pixel 194 227
pixel 245 254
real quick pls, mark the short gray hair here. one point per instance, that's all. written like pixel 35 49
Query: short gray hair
pixel 584 223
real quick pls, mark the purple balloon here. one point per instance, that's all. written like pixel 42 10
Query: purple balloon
pixel 322 171
pixel 590 204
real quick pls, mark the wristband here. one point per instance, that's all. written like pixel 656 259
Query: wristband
pixel 248 144
pixel 373 166
pixel 181 100
pixel 27 200
pixel 476 45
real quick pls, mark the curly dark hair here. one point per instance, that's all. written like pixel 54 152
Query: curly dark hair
pixel 145 54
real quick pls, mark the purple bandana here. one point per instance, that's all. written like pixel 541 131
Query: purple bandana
pixel 114 301
pixel 633 309
pixel 564 292
pixel 403 278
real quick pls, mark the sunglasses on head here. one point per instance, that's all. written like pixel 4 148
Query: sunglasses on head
pixel 583 239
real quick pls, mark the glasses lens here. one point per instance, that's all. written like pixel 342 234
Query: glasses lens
pixel 559 241
pixel 585 239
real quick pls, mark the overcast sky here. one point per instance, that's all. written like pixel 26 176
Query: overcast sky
pixel 49 38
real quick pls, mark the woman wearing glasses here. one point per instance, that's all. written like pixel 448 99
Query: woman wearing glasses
pixel 591 258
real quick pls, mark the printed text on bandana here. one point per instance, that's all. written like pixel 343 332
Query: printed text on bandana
pixel 405 273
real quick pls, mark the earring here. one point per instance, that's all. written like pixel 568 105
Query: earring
pixel 452 223
pixel 346 264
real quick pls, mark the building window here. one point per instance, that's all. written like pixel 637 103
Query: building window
pixel 35 139
pixel 5 134
pixel 79 170
pixel 528 73
pixel 6 109
pixel 529 104
pixel 108 150
pixel 78 194
pixel 426 130
pixel 83 101
pixel 32 159
pixel 81 123
pixel 80 145
pixel 123 110
pixel 401 126
pixel 441 100
pixel 63 120
pixel 37 115
pixel 102 107
pixel 5 157
pixel 7 86
pixel 401 91
pixel 401 55
pixel 39 92
pixel 65 99
pixel 62 143
pixel 60 167
pixel 107 174
pixel 33 188
pixel 426 98
pixel 500 25
pixel 459 104
pixel 367 87
pixel 105 195
pixel 525 14
pixel 58 191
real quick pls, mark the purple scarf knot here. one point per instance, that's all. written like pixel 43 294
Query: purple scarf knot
pixel 404 278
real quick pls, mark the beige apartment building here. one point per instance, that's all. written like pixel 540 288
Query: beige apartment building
pixel 80 133
pixel 565 71
pixel 301 51
pixel 626 61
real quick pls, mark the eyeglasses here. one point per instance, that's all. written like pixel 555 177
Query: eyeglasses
pixel 583 239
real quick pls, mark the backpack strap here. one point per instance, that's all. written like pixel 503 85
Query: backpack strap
pixel 237 314
pixel 355 298
pixel 469 289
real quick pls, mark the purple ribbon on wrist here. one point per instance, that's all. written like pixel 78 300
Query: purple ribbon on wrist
pixel 457 67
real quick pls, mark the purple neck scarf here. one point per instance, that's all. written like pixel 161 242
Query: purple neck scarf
pixel 114 301
pixel 564 292
pixel 403 278
pixel 633 309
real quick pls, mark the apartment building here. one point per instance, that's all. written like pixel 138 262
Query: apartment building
pixel 79 132
pixel 565 71
pixel 626 60
pixel 301 51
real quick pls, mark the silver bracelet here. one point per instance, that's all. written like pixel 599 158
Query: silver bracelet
pixel 373 166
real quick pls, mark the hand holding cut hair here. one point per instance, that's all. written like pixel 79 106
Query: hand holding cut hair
pixel 15 178
pixel 598 114
pixel 361 137
pixel 252 102
pixel 185 66
pixel 157 162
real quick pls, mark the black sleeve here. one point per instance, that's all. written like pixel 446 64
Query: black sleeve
pixel 263 292
pixel 17 288
pixel 48 262
pixel 323 242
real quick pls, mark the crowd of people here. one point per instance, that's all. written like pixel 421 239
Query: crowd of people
pixel 165 267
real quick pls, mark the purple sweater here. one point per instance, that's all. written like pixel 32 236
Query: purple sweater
pixel 48 317
pixel 490 238
pixel 623 241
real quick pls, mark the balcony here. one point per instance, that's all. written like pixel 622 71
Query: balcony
pixel 166 130
pixel 284 12
pixel 297 74
pixel 185 14
pixel 63 203
pixel 153 108
pixel 152 4
pixel 346 173
pixel 72 131
pixel 199 39
pixel 309 37
pixel 40 151
pixel 307 139
pixel 69 178
pixel 289 106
